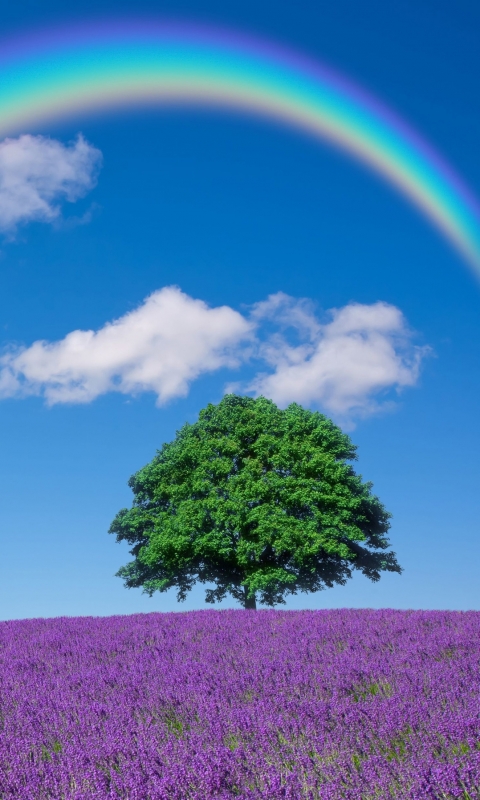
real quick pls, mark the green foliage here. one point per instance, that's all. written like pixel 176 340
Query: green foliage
pixel 258 501
pixel 232 741
pixel 366 691
pixel 47 752
pixel 174 724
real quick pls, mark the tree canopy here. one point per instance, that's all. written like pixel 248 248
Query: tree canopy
pixel 256 501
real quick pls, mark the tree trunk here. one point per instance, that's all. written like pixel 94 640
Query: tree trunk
pixel 250 601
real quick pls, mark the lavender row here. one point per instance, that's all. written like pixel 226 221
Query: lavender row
pixel 237 704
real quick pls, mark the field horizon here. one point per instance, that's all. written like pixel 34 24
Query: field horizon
pixel 262 609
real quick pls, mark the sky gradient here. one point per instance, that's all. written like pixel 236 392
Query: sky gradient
pixel 234 210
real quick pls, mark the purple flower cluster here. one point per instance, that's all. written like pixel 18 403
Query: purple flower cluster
pixel 241 704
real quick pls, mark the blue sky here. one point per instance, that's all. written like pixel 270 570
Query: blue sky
pixel 233 210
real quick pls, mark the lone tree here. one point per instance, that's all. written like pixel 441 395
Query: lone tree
pixel 258 501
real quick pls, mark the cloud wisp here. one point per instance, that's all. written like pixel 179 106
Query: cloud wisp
pixel 345 364
pixel 38 173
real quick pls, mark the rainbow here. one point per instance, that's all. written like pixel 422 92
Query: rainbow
pixel 93 68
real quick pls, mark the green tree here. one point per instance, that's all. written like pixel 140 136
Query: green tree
pixel 258 501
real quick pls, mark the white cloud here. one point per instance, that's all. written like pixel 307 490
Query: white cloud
pixel 37 173
pixel 362 352
pixel 341 365
pixel 160 347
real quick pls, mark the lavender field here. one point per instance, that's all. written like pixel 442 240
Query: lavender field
pixel 241 704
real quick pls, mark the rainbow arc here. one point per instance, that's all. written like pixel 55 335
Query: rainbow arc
pixel 109 65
